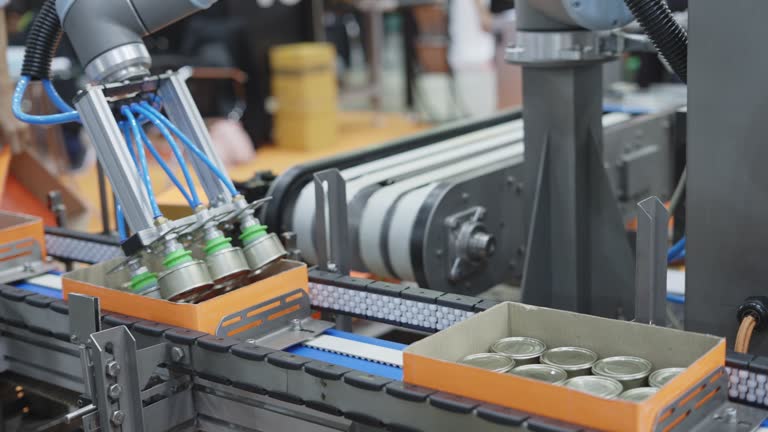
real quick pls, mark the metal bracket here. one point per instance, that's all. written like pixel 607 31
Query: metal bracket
pixel 732 417
pixel 116 389
pixel 651 262
pixel 299 331
pixel 331 202
pixel 121 375
pixel 114 371
pixel 706 408
pixel 278 324
pixel 21 259
pixel 84 317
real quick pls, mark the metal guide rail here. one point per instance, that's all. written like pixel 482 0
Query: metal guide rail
pixel 400 305
pixel 231 372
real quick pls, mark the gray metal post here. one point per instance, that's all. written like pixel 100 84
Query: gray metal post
pixel 374 17
pixel 332 229
pixel 578 255
pixel 727 176
pixel 113 155
pixel 332 225
pixel 651 269
pixel 182 111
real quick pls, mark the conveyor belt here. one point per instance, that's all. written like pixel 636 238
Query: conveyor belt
pixel 361 353
pixel 68 245
pixel 399 167
pixel 366 354
pixel 357 349
pixel 291 377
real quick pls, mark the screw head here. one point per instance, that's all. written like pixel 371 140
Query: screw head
pixel 115 390
pixel 117 418
pixel 177 354
pixel 295 324
pixel 113 368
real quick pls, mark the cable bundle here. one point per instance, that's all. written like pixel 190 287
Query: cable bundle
pixel 137 140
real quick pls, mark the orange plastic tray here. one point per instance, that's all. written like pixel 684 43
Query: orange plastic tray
pixel 425 364
pixel 17 227
pixel 208 316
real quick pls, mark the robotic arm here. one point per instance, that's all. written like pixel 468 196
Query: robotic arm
pixel 573 15
pixel 669 38
pixel 187 259
pixel 107 34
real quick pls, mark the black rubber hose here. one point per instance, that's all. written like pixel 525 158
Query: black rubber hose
pixel 42 42
pixel 669 38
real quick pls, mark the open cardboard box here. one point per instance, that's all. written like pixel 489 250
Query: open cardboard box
pixel 279 287
pixel 431 363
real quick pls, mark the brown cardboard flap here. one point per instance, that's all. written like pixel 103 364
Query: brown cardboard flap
pixel 34 175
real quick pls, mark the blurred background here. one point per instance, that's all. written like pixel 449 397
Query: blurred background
pixel 284 81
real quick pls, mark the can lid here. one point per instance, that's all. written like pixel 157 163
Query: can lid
pixel 570 358
pixel 599 386
pixel 662 376
pixel 541 372
pixel 623 368
pixel 521 348
pixel 638 394
pixel 489 361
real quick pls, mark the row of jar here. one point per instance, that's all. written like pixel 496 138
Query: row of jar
pixel 624 377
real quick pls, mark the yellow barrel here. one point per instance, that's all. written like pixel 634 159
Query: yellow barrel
pixel 305 91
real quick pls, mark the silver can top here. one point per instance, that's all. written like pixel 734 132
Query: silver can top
pixel 623 368
pixel 540 372
pixel 489 361
pixel 570 358
pixel 662 376
pixel 521 348
pixel 599 386
pixel 638 394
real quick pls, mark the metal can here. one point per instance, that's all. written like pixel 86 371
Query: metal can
pixel 607 388
pixel 638 394
pixel 523 350
pixel 662 376
pixel 541 372
pixel 490 361
pixel 575 361
pixel 631 372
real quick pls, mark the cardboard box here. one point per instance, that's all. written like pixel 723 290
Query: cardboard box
pixel 278 291
pixel 431 363
pixel 15 228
